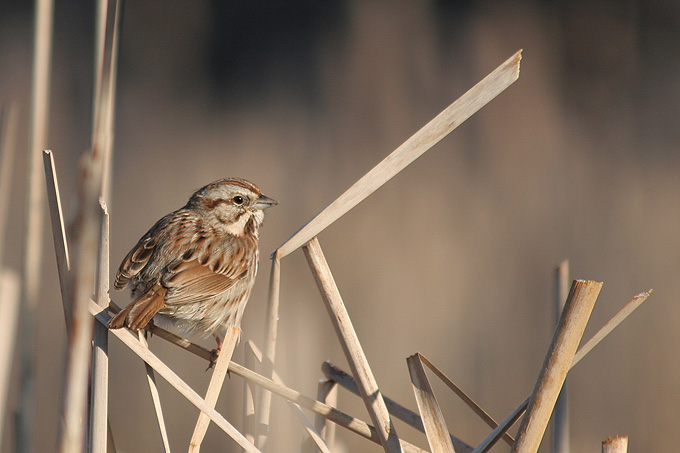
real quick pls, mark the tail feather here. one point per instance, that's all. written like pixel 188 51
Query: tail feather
pixel 138 314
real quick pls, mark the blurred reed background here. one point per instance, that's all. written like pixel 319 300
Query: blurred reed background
pixel 453 258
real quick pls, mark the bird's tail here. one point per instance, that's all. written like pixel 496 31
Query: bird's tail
pixel 138 314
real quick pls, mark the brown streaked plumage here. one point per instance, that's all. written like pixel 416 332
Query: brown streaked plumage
pixel 197 265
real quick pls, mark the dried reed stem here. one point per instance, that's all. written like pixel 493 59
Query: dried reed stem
pixel 8 135
pixel 352 347
pixel 435 427
pixel 466 399
pixel 33 239
pixel 510 420
pixel 58 234
pixel 429 135
pixel 330 413
pixel 560 427
pixel 9 314
pixel 618 318
pixel 171 377
pixel 557 363
pixel 155 397
pixel 216 381
pixel 501 429
pixel 265 397
pixel 100 353
pixel 412 419
pixel 615 445
pixel 103 113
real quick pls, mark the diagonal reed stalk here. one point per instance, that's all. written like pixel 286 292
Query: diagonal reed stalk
pixel 409 417
pixel 215 386
pixel 351 346
pixel 435 427
pixel 428 136
pixel 172 378
pixel 155 397
pixel 601 334
pixel 330 413
pixel 481 413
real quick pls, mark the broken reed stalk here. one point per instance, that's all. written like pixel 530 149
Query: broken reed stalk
pixel 428 136
pixel 33 240
pixel 215 386
pixel 99 401
pixel 435 427
pixel 58 234
pixel 409 417
pixel 8 135
pixel 622 314
pixel 9 313
pixel 352 347
pixel 615 445
pixel 264 398
pixel 557 363
pixel 466 399
pixel 155 398
pixel 560 426
pixel 171 377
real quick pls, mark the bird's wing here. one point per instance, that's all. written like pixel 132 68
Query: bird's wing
pixel 141 253
pixel 206 271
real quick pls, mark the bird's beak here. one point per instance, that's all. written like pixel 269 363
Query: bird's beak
pixel 264 202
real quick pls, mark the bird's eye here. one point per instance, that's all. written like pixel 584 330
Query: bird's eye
pixel 238 200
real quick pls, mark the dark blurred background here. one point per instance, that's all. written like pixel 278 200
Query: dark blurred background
pixel 454 257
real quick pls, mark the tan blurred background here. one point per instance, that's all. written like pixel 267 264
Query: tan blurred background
pixel 454 257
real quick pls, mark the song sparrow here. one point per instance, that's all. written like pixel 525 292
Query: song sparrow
pixel 197 265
